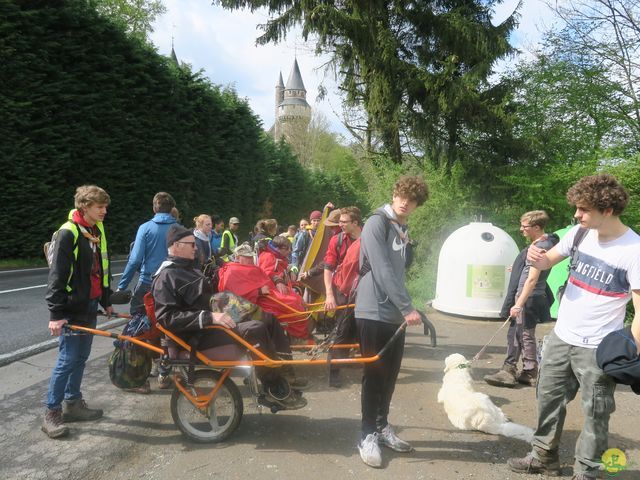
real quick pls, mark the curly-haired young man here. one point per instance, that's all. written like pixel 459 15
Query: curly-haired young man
pixel 382 305
pixel 605 275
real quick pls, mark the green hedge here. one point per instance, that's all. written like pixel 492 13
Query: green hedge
pixel 81 102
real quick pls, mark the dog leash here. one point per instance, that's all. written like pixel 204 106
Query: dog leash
pixel 478 355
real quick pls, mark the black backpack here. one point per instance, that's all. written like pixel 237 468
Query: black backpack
pixel 408 259
pixel 577 240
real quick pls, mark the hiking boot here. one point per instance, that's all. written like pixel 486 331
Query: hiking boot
pixel 528 377
pixel 296 383
pixel 388 438
pixel 142 390
pixel 503 378
pixel 299 383
pixel 293 401
pixel 530 464
pixel 78 411
pixel 165 382
pixel 53 424
pixel 370 450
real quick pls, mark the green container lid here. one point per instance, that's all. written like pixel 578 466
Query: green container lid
pixel 558 274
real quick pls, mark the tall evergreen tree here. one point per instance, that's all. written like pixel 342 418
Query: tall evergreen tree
pixel 419 69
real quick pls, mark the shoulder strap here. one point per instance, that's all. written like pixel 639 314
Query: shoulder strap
pixel 577 240
pixel 74 228
pixel 366 266
pixel 387 223
pixel 340 240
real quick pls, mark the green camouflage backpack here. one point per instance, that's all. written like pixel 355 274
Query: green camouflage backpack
pixel 129 366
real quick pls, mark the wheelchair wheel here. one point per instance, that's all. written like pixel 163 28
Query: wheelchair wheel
pixel 214 423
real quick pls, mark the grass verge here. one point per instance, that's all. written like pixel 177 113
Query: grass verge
pixel 15 263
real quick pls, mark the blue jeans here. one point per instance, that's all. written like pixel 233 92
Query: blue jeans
pixel 73 353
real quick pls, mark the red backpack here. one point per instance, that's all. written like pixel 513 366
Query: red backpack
pixel 346 275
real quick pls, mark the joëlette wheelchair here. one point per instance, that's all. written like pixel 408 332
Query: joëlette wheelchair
pixel 206 404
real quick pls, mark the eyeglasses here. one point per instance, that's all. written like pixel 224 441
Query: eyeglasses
pixel 526 226
pixel 193 244
pixel 343 222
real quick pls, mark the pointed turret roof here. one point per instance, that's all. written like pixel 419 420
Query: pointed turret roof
pixel 174 57
pixel 295 79
pixel 280 82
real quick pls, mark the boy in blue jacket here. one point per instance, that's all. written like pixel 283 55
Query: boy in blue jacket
pixel 149 250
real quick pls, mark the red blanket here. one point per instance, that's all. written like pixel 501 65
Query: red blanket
pixel 247 280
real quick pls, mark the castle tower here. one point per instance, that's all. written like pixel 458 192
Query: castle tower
pixel 279 99
pixel 293 113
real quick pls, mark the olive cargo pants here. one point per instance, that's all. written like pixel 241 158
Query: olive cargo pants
pixel 565 369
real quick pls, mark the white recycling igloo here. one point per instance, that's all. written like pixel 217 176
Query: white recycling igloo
pixel 473 271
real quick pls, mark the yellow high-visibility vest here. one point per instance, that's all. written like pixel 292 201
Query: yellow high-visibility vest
pixel 104 256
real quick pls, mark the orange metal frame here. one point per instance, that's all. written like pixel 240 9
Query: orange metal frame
pixel 202 401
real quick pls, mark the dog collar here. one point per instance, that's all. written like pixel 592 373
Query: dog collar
pixel 464 365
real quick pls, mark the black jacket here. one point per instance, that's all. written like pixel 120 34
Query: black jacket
pixel 181 294
pixel 516 271
pixel 72 305
pixel 618 356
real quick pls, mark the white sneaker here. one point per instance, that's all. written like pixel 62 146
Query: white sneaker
pixel 388 438
pixel 154 368
pixel 370 450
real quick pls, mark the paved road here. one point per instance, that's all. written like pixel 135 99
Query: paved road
pixel 23 311
pixel 137 439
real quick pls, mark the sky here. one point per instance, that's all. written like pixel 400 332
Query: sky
pixel 222 44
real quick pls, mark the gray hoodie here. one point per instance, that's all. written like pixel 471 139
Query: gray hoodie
pixel 381 293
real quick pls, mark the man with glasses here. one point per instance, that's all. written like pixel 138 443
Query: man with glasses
pixel 350 222
pixel 527 305
pixel 182 297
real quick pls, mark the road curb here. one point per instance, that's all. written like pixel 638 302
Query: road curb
pixel 7 358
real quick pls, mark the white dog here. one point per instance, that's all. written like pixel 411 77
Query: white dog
pixel 471 410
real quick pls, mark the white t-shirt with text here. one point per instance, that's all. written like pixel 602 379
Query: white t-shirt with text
pixel 599 287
